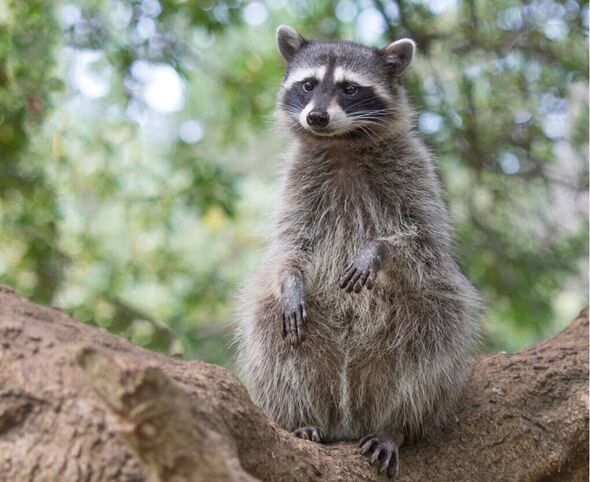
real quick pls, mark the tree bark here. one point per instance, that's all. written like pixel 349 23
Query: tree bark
pixel 80 404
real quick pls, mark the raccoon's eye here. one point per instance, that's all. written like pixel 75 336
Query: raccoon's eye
pixel 308 86
pixel 350 89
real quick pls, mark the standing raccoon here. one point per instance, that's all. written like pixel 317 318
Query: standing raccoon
pixel 358 324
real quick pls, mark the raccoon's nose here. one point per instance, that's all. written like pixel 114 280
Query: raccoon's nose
pixel 318 118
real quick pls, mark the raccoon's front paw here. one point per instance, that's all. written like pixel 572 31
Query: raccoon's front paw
pixel 294 318
pixel 294 314
pixel 365 267
pixel 381 452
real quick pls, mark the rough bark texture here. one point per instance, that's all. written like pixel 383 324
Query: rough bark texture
pixel 80 404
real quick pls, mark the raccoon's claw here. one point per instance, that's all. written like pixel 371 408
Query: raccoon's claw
pixel 363 270
pixel 309 433
pixel 293 321
pixel 354 278
pixel 381 452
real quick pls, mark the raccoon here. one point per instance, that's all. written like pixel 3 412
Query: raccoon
pixel 357 324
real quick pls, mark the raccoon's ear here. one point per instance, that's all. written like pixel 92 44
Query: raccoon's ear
pixel 399 54
pixel 289 42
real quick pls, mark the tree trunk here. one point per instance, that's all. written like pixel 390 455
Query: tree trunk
pixel 80 404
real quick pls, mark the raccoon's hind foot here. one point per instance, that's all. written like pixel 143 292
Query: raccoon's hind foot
pixel 382 452
pixel 309 433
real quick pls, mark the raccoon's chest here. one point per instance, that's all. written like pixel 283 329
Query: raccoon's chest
pixel 349 212
pixel 352 208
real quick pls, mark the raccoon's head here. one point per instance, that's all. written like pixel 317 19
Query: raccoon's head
pixel 342 90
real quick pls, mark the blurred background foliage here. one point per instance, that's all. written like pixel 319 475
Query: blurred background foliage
pixel 139 159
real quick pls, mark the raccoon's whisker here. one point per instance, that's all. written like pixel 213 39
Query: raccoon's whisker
pixel 295 108
pixel 372 112
pixel 378 123
pixel 375 122
pixel 364 101
pixel 372 119
pixel 373 136
pixel 386 109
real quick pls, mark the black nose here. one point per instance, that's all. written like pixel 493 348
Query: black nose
pixel 318 118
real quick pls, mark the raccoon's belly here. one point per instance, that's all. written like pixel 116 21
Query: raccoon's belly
pixel 355 324
pixel 354 327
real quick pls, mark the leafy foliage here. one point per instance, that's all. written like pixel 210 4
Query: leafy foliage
pixel 28 209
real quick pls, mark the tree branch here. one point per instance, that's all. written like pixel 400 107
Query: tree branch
pixel 78 403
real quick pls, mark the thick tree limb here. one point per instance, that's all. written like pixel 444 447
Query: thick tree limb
pixel 80 404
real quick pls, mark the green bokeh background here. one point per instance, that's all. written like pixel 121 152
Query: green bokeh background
pixel 139 157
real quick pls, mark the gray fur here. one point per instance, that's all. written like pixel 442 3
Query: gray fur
pixel 392 359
